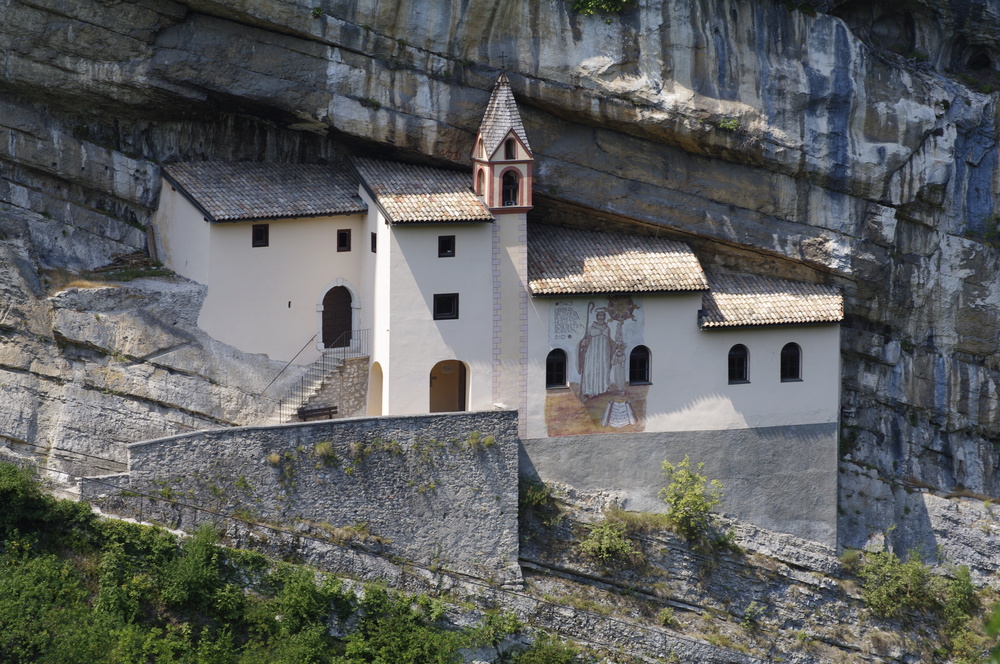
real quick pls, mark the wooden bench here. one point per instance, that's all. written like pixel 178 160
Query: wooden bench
pixel 321 413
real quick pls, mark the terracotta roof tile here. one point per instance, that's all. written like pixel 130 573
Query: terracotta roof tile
pixel 744 299
pixel 239 191
pixel 501 117
pixel 570 260
pixel 419 194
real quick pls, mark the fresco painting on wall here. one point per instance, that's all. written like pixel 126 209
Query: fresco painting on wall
pixel 597 337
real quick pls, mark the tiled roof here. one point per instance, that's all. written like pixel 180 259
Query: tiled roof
pixel 570 260
pixel 239 191
pixel 419 194
pixel 501 116
pixel 744 299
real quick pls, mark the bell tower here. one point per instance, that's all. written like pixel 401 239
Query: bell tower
pixel 501 156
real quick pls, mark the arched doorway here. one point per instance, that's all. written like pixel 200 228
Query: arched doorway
pixel 447 387
pixel 374 407
pixel 337 318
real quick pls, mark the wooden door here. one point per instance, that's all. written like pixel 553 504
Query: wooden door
pixel 337 318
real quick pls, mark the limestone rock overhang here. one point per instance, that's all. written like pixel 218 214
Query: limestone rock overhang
pixel 748 300
pixel 572 261
pixel 411 194
pixel 254 191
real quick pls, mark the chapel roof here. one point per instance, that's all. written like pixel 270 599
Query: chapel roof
pixel 411 194
pixel 244 190
pixel 738 300
pixel 501 117
pixel 565 260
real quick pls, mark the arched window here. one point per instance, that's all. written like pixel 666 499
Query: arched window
pixel 739 364
pixel 510 183
pixel 638 366
pixel 481 182
pixel 791 362
pixel 509 149
pixel 555 368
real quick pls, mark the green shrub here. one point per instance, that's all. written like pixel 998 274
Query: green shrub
pixel 601 6
pixel 192 578
pixel 391 630
pixel 608 543
pixel 496 627
pixel 28 510
pixel 534 498
pixel 547 649
pixel 891 587
pixel 691 498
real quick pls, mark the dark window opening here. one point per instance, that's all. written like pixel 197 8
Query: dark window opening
pixel 638 366
pixel 509 149
pixel 446 246
pixel 739 359
pixel 260 235
pixel 445 306
pixel 510 186
pixel 555 369
pixel 791 362
pixel 344 239
pixel 374 242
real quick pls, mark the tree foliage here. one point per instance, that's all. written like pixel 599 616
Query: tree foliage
pixel 691 497
pixel 601 6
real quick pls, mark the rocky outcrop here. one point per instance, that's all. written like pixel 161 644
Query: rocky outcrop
pixel 847 142
pixel 86 368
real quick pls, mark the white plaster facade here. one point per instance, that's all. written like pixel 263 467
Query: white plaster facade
pixel 269 299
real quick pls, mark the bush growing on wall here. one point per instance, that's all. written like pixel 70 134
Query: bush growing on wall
pixel 601 6
pixel 691 497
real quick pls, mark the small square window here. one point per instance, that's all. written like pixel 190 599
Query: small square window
pixel 446 246
pixel 344 239
pixel 374 242
pixel 260 235
pixel 445 306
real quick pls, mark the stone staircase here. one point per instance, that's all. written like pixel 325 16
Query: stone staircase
pixel 334 386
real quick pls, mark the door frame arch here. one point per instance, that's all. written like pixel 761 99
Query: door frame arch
pixel 462 391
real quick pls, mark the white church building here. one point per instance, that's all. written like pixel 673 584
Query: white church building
pixel 466 305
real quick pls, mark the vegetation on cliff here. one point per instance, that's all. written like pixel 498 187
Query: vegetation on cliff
pixel 74 588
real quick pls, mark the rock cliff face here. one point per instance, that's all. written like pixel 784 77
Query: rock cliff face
pixel 847 142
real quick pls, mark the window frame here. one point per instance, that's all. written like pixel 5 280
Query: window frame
pixel 444 251
pixel 260 235
pixel 741 354
pixel 782 364
pixel 556 363
pixel 646 369
pixel 343 239
pixel 510 150
pixel 374 242
pixel 516 187
pixel 445 306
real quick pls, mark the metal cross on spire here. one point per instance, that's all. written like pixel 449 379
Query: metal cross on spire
pixel 503 61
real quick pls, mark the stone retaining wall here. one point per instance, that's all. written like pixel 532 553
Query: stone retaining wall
pixel 439 490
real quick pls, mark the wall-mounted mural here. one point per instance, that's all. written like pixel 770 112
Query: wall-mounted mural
pixel 597 336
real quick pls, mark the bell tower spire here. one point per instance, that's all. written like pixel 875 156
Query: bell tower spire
pixel 501 157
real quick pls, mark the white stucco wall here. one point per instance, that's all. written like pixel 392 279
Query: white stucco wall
pixel 181 235
pixel 690 388
pixel 265 299
pixel 416 341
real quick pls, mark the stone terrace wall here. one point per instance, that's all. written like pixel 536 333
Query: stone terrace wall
pixel 440 490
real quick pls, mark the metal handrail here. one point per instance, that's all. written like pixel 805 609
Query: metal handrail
pixel 350 344
pixel 288 364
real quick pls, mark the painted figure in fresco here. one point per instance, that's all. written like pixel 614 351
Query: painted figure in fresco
pixel 595 354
